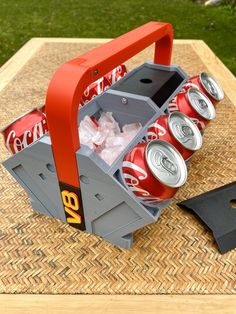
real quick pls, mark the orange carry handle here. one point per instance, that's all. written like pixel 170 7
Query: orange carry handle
pixel 71 79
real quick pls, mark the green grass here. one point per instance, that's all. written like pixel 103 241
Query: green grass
pixel 22 19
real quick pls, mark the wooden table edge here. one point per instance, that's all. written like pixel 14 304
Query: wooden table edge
pixel 38 303
pixel 116 304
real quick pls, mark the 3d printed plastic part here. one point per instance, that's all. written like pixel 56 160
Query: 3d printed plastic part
pixel 71 182
pixel 215 210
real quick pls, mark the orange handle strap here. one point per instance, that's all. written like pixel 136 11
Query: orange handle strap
pixel 71 79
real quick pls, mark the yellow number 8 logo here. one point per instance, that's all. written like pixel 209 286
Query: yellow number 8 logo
pixel 70 200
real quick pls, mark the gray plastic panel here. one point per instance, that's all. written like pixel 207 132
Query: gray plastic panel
pixel 32 168
pixel 129 77
pixel 108 206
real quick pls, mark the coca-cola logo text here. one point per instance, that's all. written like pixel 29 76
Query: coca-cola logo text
pixel 133 182
pixel 15 144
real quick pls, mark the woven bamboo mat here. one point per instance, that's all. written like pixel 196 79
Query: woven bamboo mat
pixel 175 255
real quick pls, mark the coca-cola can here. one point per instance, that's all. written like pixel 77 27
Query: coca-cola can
pixel 178 130
pixel 206 84
pixel 116 74
pixel 24 130
pixel 154 171
pixel 194 104
pixel 93 90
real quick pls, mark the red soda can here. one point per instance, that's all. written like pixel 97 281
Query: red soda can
pixel 154 171
pixel 116 74
pixel 23 131
pixel 93 90
pixel 194 104
pixel 206 84
pixel 178 130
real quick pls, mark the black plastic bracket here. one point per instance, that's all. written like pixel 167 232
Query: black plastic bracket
pixel 215 209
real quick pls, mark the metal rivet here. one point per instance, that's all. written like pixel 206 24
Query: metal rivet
pixel 124 101
pixel 95 72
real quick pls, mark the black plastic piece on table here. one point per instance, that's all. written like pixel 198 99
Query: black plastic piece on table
pixel 215 210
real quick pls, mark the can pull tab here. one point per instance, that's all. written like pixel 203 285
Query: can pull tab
pixel 210 87
pixel 168 165
pixel 184 131
pixel 202 104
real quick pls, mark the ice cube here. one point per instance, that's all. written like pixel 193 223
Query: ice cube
pixel 109 154
pixel 100 136
pixel 132 128
pixel 106 121
pixel 105 136
pixel 87 129
pixel 115 140
pixel 87 125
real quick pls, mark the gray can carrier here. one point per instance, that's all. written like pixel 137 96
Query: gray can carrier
pixel 103 204
pixel 111 210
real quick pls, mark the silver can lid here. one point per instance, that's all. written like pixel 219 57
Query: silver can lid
pixel 211 86
pixel 201 104
pixel 185 131
pixel 166 163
